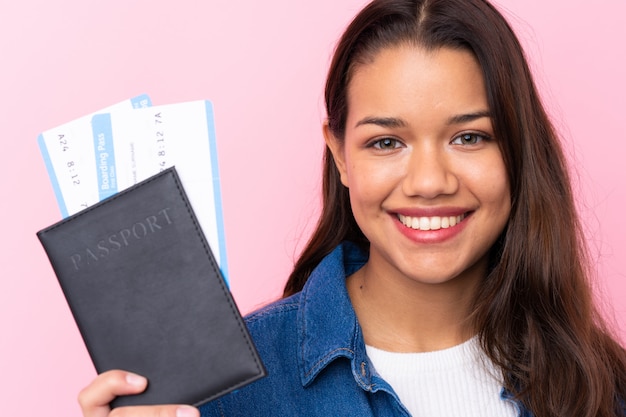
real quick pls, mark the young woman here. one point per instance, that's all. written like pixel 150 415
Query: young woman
pixel 447 274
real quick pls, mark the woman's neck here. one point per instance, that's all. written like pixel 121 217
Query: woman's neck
pixel 400 314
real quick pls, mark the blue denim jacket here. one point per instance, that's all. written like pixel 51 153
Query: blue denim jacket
pixel 313 349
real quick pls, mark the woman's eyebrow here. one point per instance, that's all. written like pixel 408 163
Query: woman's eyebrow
pixel 468 117
pixel 391 122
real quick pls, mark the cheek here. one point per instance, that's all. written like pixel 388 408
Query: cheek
pixel 497 190
pixel 496 193
pixel 370 182
pixel 489 179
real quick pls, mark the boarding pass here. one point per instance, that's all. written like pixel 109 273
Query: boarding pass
pixel 96 156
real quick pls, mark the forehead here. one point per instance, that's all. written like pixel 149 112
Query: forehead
pixel 416 81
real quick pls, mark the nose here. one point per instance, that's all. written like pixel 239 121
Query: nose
pixel 429 172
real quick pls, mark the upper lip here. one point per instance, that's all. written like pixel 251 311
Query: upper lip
pixel 432 211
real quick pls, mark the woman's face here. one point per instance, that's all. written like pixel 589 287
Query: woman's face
pixel 427 182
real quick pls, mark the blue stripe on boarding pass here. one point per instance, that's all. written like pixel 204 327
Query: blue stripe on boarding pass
pixel 105 155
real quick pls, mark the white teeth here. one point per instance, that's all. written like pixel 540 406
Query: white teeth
pixel 430 223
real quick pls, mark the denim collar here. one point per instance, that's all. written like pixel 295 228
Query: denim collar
pixel 327 324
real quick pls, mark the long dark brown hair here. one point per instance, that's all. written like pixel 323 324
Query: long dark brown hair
pixel 534 311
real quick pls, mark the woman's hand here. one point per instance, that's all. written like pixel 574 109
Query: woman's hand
pixel 94 399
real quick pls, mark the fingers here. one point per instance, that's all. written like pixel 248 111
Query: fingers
pixel 95 398
pixel 156 411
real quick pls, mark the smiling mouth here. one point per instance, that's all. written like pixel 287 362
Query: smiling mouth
pixel 431 223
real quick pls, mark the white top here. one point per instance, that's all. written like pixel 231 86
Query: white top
pixel 459 381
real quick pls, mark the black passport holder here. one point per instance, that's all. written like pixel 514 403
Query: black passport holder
pixel 148 297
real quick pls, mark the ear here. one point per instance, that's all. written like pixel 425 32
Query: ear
pixel 337 150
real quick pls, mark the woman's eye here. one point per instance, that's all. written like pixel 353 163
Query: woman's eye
pixel 469 139
pixel 386 143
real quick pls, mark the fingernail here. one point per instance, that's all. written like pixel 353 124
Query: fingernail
pixel 136 380
pixel 186 411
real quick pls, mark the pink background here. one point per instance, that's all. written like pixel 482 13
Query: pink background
pixel 263 65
